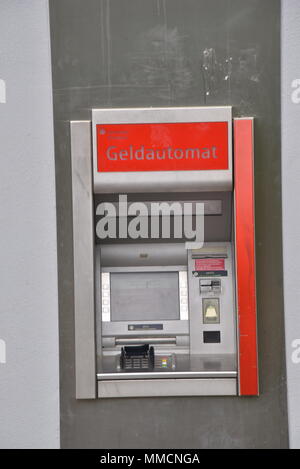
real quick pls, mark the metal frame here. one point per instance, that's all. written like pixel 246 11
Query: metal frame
pixel 168 375
pixel 169 387
pixel 182 287
pixel 83 254
pixel 120 328
pixel 83 244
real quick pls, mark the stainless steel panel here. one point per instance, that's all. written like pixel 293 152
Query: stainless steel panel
pixel 118 255
pixel 83 251
pixel 217 226
pixel 167 375
pixel 146 340
pixel 173 181
pixel 111 343
pixel 227 309
pixel 142 269
pixel 170 387
pixel 211 207
pixel 179 365
pixel 120 328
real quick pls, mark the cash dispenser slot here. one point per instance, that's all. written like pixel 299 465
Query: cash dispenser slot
pixel 146 340
pixel 210 286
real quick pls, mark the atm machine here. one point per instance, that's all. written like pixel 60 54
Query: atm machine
pixel 158 313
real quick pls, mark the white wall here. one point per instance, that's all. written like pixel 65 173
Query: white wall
pixel 291 205
pixel 29 386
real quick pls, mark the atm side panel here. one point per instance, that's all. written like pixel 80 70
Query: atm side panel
pixel 83 252
pixel 245 255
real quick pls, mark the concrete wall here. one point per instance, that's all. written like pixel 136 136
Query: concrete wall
pixel 29 388
pixel 127 53
pixel 290 194
pixel 108 66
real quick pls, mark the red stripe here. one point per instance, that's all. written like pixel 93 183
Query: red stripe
pixel 245 256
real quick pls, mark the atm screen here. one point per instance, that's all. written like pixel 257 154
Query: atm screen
pixel 144 296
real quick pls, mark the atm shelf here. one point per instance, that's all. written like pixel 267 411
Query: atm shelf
pixel 165 375
pixel 180 366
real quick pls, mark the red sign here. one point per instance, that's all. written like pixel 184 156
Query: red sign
pixel 209 264
pixel 162 147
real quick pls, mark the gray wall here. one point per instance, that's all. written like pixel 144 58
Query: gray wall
pixel 29 387
pixel 290 194
pixel 124 53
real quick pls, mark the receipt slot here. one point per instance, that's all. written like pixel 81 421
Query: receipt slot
pixel 164 253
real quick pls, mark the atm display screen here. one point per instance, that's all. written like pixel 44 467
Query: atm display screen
pixel 144 296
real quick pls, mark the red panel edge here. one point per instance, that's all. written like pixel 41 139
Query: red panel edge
pixel 245 255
